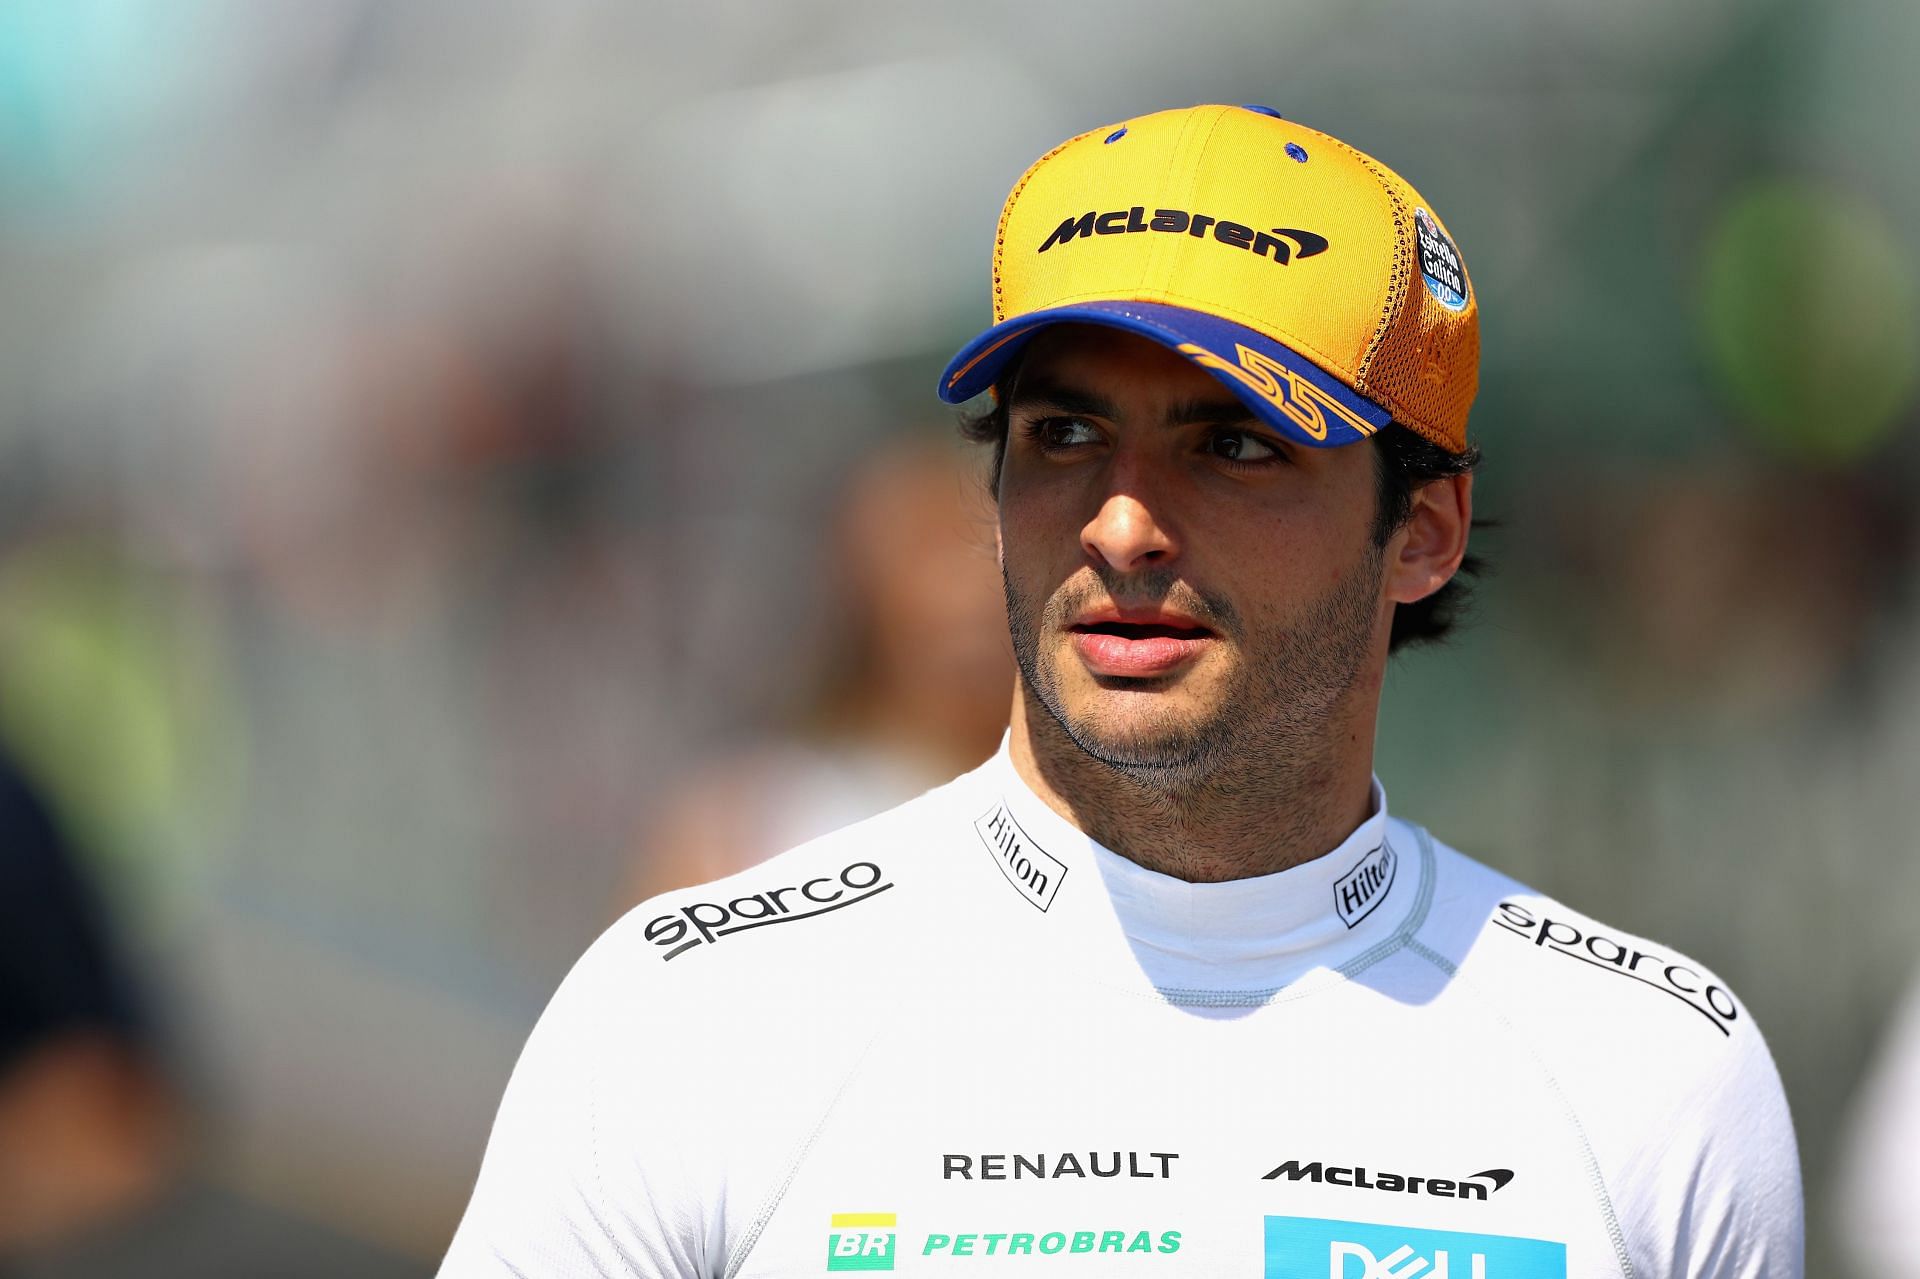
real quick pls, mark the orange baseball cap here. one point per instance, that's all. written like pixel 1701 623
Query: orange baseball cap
pixel 1304 274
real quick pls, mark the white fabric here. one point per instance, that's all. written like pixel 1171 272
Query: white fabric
pixel 962 1038
pixel 1879 1185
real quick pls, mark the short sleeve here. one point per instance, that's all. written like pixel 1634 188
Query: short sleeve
pixel 1714 1190
pixel 583 1175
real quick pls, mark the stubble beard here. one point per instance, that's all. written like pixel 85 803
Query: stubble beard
pixel 1278 708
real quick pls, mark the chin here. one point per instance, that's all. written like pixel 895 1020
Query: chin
pixel 1116 729
pixel 1165 732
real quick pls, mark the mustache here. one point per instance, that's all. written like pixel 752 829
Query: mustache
pixel 1154 586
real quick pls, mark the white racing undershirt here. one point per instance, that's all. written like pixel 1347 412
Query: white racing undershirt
pixel 962 1038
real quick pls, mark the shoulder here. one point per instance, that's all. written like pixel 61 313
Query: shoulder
pixel 1664 1074
pixel 793 925
pixel 700 1038
pixel 809 901
pixel 1549 964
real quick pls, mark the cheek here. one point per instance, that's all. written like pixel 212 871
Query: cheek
pixel 1254 538
pixel 1033 528
pixel 1271 559
pixel 1024 566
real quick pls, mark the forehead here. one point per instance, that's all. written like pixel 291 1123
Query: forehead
pixel 1125 368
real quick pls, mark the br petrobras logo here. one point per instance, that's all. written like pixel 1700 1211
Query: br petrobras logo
pixel 1318 1248
pixel 861 1241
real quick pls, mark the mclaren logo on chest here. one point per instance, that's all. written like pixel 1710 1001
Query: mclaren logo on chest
pixel 1478 1186
pixel 1274 243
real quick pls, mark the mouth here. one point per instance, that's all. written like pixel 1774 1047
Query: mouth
pixel 1141 630
pixel 1119 649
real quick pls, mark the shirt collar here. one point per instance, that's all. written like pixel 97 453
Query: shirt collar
pixel 1246 934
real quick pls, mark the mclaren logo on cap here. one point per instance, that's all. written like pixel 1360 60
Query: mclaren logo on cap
pixel 1179 222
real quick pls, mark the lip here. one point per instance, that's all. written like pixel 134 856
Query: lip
pixel 1137 643
pixel 1140 615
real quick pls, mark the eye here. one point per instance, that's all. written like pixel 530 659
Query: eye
pixel 1241 446
pixel 1053 433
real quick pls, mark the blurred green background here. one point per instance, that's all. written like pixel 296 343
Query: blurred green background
pixel 422 424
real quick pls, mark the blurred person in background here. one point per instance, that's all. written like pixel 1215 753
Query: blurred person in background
pixel 915 689
pixel 1878 1188
pixel 1169 932
pixel 86 1115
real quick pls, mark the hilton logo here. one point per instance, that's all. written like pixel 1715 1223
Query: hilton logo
pixel 1031 869
pixel 1357 892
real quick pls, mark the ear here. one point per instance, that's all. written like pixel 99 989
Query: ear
pixel 1426 552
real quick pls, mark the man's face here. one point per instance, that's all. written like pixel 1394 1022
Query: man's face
pixel 1183 586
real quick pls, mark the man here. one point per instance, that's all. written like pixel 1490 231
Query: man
pixel 88 1120
pixel 1161 988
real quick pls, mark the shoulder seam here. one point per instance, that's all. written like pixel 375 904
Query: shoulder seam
pixel 771 1204
pixel 597 1204
pixel 1595 1179
pixel 1406 934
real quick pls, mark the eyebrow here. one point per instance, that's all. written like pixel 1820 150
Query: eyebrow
pixel 1063 398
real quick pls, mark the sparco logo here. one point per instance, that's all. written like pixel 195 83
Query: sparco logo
pixel 1477 1186
pixel 1180 222
pixel 1357 892
pixel 700 922
pixel 1031 869
pixel 1684 983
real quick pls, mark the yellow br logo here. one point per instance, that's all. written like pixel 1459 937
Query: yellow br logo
pixel 861 1241
pixel 1302 401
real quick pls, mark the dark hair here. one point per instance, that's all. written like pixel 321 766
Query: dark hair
pixel 1403 461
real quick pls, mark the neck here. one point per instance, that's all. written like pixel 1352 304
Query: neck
pixel 1257 819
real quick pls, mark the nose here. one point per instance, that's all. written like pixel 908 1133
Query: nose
pixel 1127 533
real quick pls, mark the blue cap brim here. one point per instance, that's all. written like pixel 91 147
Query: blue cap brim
pixel 1298 398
